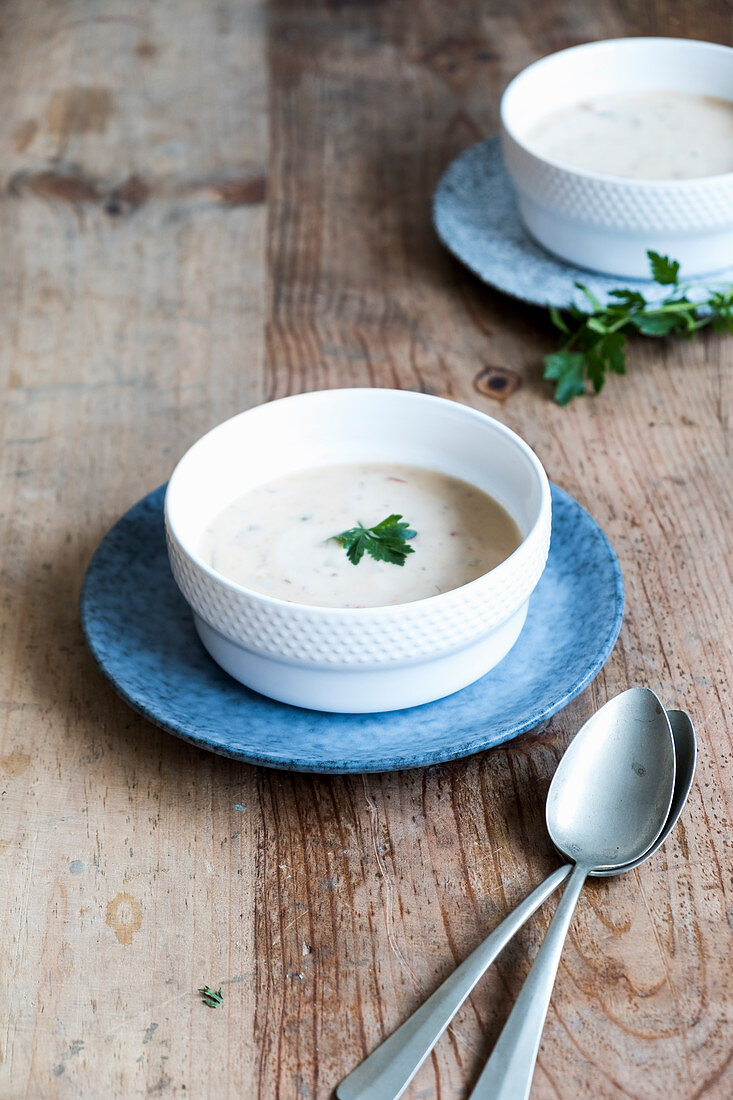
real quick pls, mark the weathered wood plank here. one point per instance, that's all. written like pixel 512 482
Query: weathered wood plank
pixel 133 230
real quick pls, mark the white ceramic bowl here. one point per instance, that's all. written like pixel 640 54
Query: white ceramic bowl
pixel 606 222
pixel 357 659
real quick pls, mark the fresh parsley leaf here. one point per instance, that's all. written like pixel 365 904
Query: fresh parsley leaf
pixel 657 324
pixel 210 997
pixel 595 368
pixel 595 340
pixel 615 349
pixel 722 307
pixel 565 368
pixel 386 541
pixel 630 298
pixel 664 271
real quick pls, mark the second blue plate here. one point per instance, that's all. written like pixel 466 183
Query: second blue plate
pixel 141 633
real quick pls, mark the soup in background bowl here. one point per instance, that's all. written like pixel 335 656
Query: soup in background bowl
pixel 640 135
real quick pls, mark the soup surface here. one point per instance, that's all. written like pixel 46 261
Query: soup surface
pixel 276 538
pixel 646 135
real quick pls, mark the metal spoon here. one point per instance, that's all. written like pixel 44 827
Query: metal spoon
pixel 390 1068
pixel 607 805
pixel 685 759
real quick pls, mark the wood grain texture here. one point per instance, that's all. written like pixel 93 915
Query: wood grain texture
pixel 203 205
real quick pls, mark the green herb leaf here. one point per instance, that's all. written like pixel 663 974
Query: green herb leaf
pixel 630 298
pixel 595 340
pixel 656 324
pixel 722 307
pixel 387 541
pixel 566 368
pixel 615 348
pixel 664 271
pixel 211 998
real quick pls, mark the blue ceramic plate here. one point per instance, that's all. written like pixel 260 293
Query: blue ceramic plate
pixel 476 217
pixel 141 633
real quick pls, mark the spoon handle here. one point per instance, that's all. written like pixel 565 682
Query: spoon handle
pixel 390 1068
pixel 509 1071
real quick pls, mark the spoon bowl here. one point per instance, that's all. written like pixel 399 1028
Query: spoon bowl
pixel 612 791
pixel 685 753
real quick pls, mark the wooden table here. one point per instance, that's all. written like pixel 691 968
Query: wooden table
pixel 206 205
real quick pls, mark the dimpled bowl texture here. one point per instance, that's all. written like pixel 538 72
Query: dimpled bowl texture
pixel 353 660
pixel 604 222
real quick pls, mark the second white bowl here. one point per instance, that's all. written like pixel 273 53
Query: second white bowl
pixel 606 222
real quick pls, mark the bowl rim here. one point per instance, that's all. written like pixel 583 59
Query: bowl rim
pixel 631 182
pixel 364 612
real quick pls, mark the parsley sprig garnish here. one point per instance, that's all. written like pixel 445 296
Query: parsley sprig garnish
pixel 210 997
pixel 596 339
pixel 387 541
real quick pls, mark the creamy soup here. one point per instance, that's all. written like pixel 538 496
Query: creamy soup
pixel 277 539
pixel 649 135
